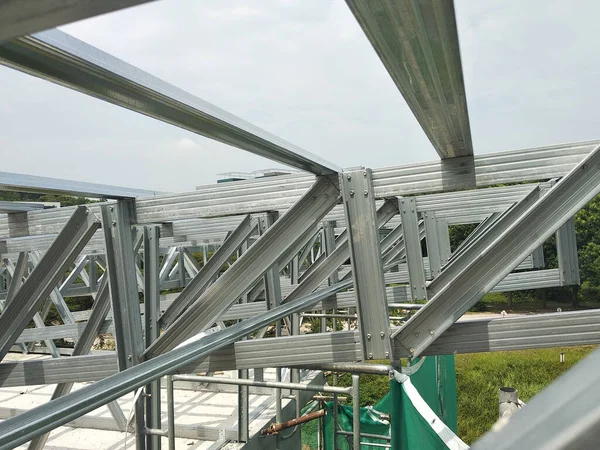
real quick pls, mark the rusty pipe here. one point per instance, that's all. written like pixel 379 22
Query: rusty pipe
pixel 277 427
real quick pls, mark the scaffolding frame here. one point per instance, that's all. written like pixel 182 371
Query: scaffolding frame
pixel 326 242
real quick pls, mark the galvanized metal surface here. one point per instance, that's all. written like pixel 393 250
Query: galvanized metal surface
pixel 63 59
pixel 418 45
pixel 44 185
pixel 37 421
pixel 18 18
pixel 417 42
pixel 515 241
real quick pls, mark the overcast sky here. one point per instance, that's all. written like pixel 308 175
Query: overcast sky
pixel 304 71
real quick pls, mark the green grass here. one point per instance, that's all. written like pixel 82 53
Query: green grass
pixel 479 376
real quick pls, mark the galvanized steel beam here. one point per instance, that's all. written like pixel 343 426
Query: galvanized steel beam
pixel 469 277
pixel 412 248
pixel 209 271
pixel 16 207
pixel 63 59
pixel 251 265
pixel 533 164
pixel 518 333
pixel 46 275
pixel 566 250
pixel 122 282
pixel 45 185
pixel 42 419
pixel 151 240
pixel 18 18
pixel 418 45
pixel 367 270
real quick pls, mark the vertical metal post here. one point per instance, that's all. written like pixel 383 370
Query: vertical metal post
pixel 122 280
pixel 294 274
pixel 181 267
pixel 444 240
pixel 367 270
pixel 321 428
pixel 243 409
pixel 335 414
pixel 329 244
pixel 356 411
pixel 566 248
pixel 433 244
pixel 537 258
pixel 243 391
pixel 273 299
pixel 151 314
pixel 412 243
pixel 116 220
pixel 93 273
pixel 16 279
pixel 170 412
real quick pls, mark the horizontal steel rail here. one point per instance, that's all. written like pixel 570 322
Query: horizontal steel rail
pixel 534 164
pixel 12 207
pixel 279 194
pixel 265 384
pixel 325 351
pixel 44 185
pixel 517 333
pixel 65 60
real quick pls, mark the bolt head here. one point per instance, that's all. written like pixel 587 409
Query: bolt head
pixel 387 354
pixel 348 177
pixel 366 193
pixel 417 335
pixel 382 334
pixel 370 355
pixel 411 351
pixel 432 332
pixel 351 192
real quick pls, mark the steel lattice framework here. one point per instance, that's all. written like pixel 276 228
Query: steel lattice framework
pixel 323 243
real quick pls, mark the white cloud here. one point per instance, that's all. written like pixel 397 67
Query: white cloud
pixel 186 143
pixel 303 70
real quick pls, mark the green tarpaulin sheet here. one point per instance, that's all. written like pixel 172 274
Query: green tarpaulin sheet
pixel 419 413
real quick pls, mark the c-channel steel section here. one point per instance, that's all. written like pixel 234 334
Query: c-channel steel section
pixel 512 242
pixel 65 60
pixel 365 256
